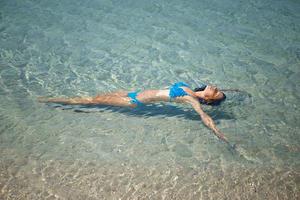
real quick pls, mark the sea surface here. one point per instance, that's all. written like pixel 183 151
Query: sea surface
pixel 66 48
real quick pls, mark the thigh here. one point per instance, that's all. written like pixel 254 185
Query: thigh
pixel 113 101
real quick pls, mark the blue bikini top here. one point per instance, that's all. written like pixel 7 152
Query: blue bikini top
pixel 177 91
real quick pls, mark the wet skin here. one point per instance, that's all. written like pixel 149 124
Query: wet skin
pixel 120 98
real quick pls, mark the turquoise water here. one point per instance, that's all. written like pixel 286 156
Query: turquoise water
pixel 82 48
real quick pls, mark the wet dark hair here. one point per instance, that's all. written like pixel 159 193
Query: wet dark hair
pixel 213 103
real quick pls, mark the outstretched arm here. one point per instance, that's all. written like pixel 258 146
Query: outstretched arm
pixel 207 120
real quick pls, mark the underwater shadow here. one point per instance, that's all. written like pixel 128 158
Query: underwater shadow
pixel 151 110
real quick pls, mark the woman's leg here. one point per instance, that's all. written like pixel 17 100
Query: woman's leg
pixel 98 100
pixel 113 101
pixel 75 100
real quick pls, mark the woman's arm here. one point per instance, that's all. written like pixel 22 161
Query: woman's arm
pixel 207 120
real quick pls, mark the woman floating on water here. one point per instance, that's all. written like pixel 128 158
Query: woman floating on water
pixel 179 92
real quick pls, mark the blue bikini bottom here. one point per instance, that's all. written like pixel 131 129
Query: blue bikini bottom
pixel 134 100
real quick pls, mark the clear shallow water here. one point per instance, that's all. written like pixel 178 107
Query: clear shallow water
pixel 163 152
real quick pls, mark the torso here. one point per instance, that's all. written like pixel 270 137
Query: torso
pixel 149 96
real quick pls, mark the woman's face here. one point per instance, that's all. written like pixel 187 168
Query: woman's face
pixel 212 93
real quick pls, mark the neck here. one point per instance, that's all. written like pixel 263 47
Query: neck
pixel 200 94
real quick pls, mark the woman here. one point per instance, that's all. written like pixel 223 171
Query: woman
pixel 179 92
